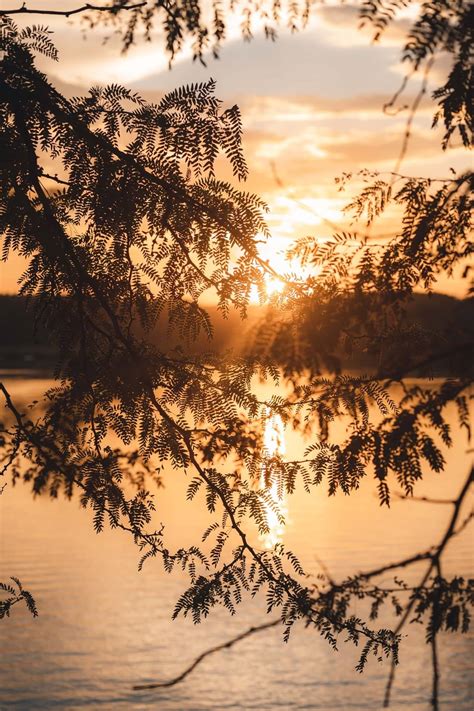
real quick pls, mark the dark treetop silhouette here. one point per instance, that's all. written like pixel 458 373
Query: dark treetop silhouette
pixel 133 227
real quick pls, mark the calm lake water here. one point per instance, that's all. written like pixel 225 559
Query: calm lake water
pixel 103 626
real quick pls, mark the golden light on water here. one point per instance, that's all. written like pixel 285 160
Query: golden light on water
pixel 274 441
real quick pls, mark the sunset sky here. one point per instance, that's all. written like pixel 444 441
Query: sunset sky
pixel 312 106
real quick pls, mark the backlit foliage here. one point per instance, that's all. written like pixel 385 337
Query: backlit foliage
pixel 123 236
pixel 13 594
pixel 440 27
pixel 203 25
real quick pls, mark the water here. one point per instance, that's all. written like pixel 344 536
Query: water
pixel 103 626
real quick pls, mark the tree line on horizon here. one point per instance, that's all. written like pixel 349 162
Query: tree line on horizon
pixel 134 227
pixel 26 344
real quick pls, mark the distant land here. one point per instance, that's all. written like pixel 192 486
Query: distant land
pixel 24 346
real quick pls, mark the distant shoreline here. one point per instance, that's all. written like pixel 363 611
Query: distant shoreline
pixel 32 373
pixel 27 348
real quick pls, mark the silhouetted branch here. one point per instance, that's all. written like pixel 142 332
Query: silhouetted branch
pixel 330 223
pixel 225 645
pixel 325 569
pixel 434 657
pixel 54 178
pixel 173 190
pixel 434 559
pixel 463 524
pixel 426 555
pixel 411 116
pixel 53 460
pixel 435 667
pixel 87 7
pixel 425 499
pixel 10 459
pixel 434 555
pixel 387 108
pixel 401 176
pixel 15 595
pixel 430 359
pixel 121 197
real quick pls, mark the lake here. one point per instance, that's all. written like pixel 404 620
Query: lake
pixel 103 626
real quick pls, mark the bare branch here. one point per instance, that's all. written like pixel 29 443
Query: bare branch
pixel 425 499
pixel 435 667
pixel 434 563
pixel 87 7
pixel 225 645
pixel 412 114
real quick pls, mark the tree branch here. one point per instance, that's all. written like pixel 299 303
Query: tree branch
pixel 63 111
pixel 425 499
pixel 225 645
pixel 411 116
pixel 87 7
pixel 434 559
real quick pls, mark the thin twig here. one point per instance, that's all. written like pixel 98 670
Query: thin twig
pixel 55 178
pixel 411 116
pixel 435 666
pixel 201 657
pixel 434 658
pixel 325 569
pixel 390 104
pixel 434 559
pixel 87 7
pixel 425 499
pixel 333 225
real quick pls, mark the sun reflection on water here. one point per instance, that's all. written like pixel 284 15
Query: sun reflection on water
pixel 274 441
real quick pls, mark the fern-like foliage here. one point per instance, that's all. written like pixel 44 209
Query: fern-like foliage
pixel 14 593
pixel 439 26
pixel 203 24
pixel 124 240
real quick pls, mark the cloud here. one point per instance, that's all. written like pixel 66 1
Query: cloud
pixel 325 59
pixel 340 19
pixel 312 106
pixel 87 60
pixel 300 64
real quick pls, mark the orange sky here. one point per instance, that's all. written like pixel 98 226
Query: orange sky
pixel 311 105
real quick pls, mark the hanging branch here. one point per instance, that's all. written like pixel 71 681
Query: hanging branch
pixel 219 647
pixel 16 594
pixel 434 555
pixel 434 560
pixel 114 380
pixel 411 116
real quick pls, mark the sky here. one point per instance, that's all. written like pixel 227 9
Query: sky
pixel 311 102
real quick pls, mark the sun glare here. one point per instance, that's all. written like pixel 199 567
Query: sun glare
pixel 274 441
pixel 293 216
pixel 290 270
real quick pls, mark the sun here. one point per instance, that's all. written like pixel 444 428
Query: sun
pixel 290 270
pixel 292 216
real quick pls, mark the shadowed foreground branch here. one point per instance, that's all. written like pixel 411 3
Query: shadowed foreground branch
pixel 219 647
pixel 426 597
pixel 131 238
